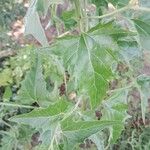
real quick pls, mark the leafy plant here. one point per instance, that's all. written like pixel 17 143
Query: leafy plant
pixel 71 81
pixel 10 10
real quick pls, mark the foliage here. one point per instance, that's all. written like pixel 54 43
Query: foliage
pixel 10 11
pixel 71 81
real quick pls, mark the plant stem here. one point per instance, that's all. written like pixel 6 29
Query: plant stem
pixel 16 105
pixel 4 122
pixel 81 14
pixel 84 18
pixel 119 11
pixel 70 112
pixel 78 13
pixel 120 89
pixel 110 14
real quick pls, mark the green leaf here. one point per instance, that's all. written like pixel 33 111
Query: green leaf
pixel 44 120
pixel 6 77
pixel 129 49
pixel 89 58
pixel 40 114
pixel 9 140
pixel 143 87
pixel 33 88
pixel 98 140
pixel 43 5
pixel 32 21
pixel 142 24
pixel 16 137
pixel 7 94
pixel 77 132
pixel 68 18
pixel 33 25
pixel 126 40
pixel 115 109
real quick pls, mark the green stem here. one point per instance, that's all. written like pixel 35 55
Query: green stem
pixel 78 13
pixel 4 122
pixel 120 89
pixel 81 14
pixel 111 14
pixel 84 18
pixel 55 18
pixel 119 11
pixel 16 105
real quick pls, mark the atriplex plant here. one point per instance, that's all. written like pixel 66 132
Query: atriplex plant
pixel 72 79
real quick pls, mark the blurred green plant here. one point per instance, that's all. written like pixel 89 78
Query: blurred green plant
pixel 10 11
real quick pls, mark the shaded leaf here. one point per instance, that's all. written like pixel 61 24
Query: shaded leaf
pixel 68 18
pixel 98 141
pixel 44 120
pixel 77 132
pixel 144 32
pixel 7 94
pixel 9 140
pixel 33 88
pixel 144 86
pixel 115 109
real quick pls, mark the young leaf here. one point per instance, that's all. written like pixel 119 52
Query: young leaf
pixel 33 88
pixel 33 25
pixel 115 109
pixel 77 132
